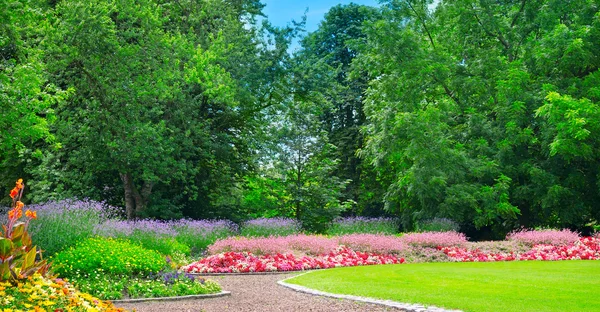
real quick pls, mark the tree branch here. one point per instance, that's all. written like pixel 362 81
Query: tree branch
pixel 422 20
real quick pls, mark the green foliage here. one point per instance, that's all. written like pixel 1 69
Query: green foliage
pixel 438 225
pixel 107 255
pixel 484 113
pixel 111 287
pixel 167 246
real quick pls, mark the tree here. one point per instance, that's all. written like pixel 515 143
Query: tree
pixel 26 96
pixel 131 117
pixel 331 50
pixel 452 127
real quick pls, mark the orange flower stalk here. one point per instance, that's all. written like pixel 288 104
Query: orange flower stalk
pixel 31 214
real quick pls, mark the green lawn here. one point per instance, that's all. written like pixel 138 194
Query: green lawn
pixel 497 286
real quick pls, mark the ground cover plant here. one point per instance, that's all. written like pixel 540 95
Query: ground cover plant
pixel 115 269
pixel 265 227
pixel 351 225
pixel 244 262
pixel 552 286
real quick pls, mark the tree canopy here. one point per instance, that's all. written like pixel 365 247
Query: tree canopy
pixel 483 112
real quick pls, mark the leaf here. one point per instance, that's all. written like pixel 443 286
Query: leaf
pixel 29 260
pixel 6 248
pixel 18 230
pixel 4 271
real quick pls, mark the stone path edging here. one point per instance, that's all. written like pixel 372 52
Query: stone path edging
pixel 252 273
pixel 205 296
pixel 389 303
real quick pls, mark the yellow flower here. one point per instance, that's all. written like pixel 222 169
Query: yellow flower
pixel 48 303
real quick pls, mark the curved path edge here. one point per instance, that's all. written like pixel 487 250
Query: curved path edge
pixel 205 296
pixel 389 303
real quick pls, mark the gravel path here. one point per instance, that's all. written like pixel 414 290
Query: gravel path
pixel 257 293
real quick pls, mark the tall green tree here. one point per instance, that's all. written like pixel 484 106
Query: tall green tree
pixel 331 49
pixel 26 96
pixel 462 116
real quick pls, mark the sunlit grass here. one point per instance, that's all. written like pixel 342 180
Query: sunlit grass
pixel 498 286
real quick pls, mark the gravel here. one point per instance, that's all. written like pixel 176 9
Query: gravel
pixel 259 293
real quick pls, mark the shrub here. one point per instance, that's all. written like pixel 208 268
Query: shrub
pixel 115 287
pixel 549 237
pixel 63 224
pixel 107 255
pixel 438 225
pixel 435 239
pixel 265 227
pixel 353 225
pixel 150 234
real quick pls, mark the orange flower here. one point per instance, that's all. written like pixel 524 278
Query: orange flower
pixel 19 184
pixel 11 214
pixel 14 192
pixel 19 205
pixel 31 214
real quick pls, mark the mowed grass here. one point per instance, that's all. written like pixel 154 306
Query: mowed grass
pixel 494 286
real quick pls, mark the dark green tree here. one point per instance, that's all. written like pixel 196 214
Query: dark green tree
pixel 331 50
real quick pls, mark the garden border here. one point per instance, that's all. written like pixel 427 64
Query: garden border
pixel 410 307
pixel 204 296
pixel 253 273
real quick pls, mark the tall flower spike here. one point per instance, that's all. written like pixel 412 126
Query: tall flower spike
pixel 14 192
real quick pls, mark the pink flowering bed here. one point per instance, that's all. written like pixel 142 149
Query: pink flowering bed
pixel 307 252
pixel 586 248
pixel 245 262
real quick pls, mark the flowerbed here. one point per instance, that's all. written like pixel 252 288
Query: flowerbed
pixel 245 262
pixel 587 248
pixel 38 293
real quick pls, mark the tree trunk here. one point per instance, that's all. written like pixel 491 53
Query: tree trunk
pixel 135 200
pixel 129 201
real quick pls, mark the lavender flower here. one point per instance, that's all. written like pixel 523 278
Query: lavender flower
pixel 265 227
pixel 351 225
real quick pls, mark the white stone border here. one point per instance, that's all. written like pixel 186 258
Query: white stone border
pixel 389 303
pixel 205 296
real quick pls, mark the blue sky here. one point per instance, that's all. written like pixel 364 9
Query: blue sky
pixel 281 12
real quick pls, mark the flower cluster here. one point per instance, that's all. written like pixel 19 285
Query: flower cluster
pixel 435 239
pixel 587 248
pixel 38 293
pixel 311 244
pixel 17 208
pixel 244 262
pixel 550 237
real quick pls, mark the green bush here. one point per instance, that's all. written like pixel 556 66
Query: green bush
pixel 167 246
pixel 109 256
